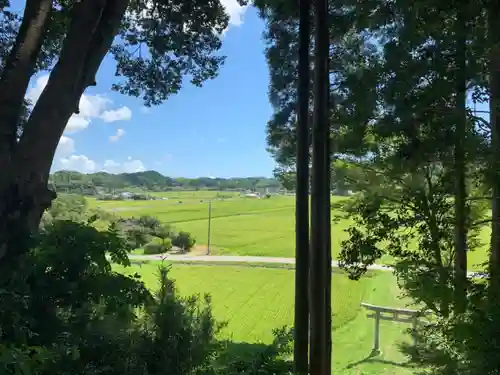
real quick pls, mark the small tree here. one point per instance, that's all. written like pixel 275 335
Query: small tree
pixel 149 222
pixel 68 207
pixel 136 235
pixel 164 232
pixel 184 241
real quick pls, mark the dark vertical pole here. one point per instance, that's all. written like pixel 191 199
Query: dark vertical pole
pixel 301 324
pixel 320 351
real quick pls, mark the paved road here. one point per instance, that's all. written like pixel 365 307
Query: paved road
pixel 248 259
pixel 233 259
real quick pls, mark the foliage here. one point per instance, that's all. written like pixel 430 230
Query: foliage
pixel 140 231
pixel 164 233
pixel 184 241
pixel 411 218
pixel 154 46
pixel 403 76
pixel 97 183
pixel 136 235
pixel 66 311
pixel 68 207
pixel 158 248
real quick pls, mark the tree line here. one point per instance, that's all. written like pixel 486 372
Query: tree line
pixel 92 183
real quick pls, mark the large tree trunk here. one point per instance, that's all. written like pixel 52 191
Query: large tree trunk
pixel 460 287
pixel 18 70
pixel 320 310
pixel 301 318
pixel 494 261
pixel 23 186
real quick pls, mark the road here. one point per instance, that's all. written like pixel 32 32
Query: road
pixel 233 259
pixel 250 259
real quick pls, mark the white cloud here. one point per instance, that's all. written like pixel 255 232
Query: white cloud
pixel 91 107
pixel 77 123
pixel 117 136
pixel 79 163
pixel 120 114
pixel 235 11
pixel 83 164
pixel 66 146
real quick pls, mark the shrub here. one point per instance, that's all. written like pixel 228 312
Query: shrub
pixel 184 241
pixel 164 231
pixel 136 235
pixel 150 222
pixel 63 310
pixel 158 248
pixel 68 207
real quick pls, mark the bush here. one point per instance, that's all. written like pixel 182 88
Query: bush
pixel 68 207
pixel 64 311
pixel 136 234
pixel 184 241
pixel 158 248
pixel 150 222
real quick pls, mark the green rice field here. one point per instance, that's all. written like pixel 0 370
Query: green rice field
pixel 239 226
pixel 255 300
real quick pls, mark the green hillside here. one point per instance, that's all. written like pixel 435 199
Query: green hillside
pixel 71 181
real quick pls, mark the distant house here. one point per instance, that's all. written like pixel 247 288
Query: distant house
pixel 126 195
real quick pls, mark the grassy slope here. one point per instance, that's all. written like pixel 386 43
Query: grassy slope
pixel 255 300
pixel 241 226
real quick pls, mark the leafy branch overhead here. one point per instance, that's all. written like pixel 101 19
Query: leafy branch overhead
pixel 156 44
pixel 406 79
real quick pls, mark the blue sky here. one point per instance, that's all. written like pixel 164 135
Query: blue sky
pixel 217 130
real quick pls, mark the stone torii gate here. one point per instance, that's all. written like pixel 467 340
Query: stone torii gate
pixel 313 342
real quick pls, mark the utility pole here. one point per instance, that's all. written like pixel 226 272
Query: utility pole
pixel 209 225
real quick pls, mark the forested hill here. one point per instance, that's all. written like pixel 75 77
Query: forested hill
pixel 152 181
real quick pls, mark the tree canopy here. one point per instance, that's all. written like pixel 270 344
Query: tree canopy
pixel 157 46
pixel 405 80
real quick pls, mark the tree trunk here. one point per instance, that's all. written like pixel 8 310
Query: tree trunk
pixel 320 351
pixel 18 70
pixel 24 190
pixel 494 260
pixel 460 287
pixel 301 318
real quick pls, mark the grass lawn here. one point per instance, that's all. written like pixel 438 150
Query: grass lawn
pixel 254 300
pixel 241 226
